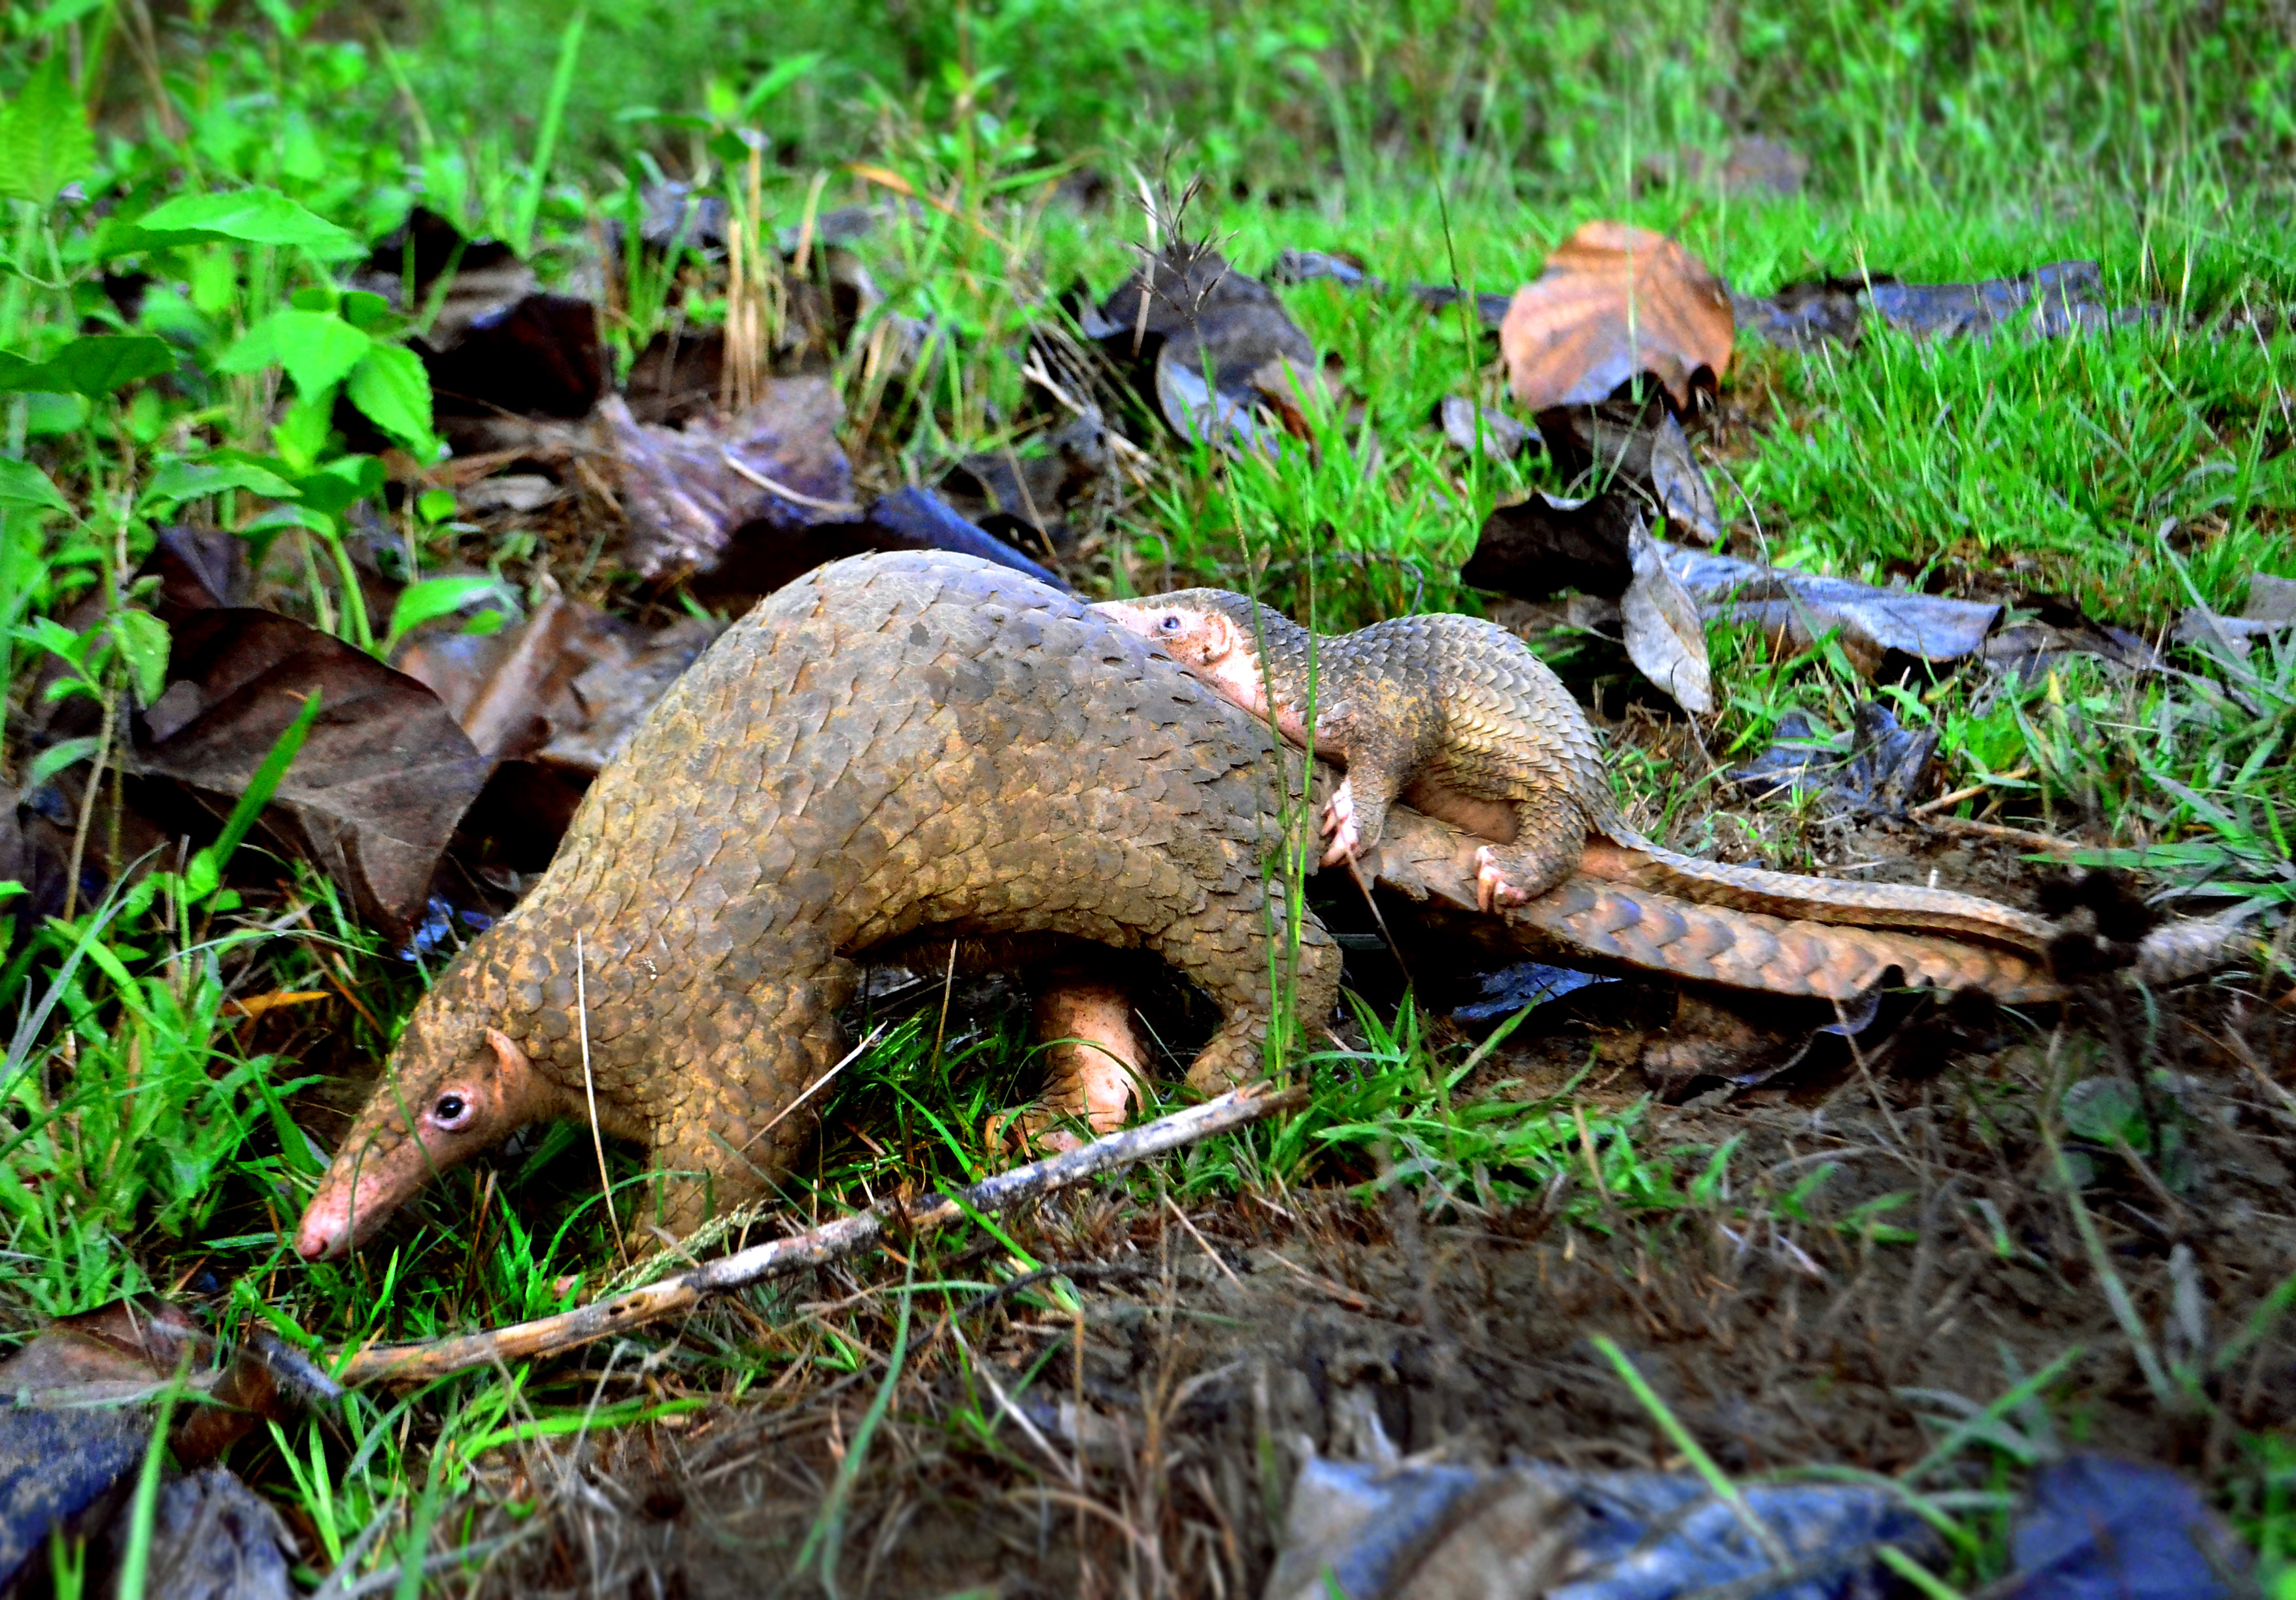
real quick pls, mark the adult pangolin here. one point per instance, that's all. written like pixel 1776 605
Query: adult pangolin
pixel 895 752
pixel 919 756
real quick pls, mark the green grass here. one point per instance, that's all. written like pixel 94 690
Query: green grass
pixel 149 1144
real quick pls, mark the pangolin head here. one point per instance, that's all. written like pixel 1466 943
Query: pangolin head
pixel 453 1089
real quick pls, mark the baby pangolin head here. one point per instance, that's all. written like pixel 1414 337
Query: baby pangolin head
pixel 1213 631
pixel 453 1089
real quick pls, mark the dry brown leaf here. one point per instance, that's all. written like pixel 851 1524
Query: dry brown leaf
pixel 1615 300
pixel 1665 638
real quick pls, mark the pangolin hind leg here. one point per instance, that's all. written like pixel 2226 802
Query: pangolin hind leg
pixel 1550 837
pixel 1306 982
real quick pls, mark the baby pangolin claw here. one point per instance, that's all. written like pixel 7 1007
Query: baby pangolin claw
pixel 1338 826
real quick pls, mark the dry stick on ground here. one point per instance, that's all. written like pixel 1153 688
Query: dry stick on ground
pixel 832 1241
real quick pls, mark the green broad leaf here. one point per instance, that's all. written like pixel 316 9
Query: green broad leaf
pixel 256 216
pixel 23 484
pixel 302 433
pixel 390 387
pixel 434 597
pixel 368 311
pixel 346 479
pixel 55 758
pixel 176 482
pixel 45 416
pixel 93 366
pixel 45 142
pixel 143 641
pixel 318 347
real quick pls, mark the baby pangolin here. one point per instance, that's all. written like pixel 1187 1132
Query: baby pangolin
pixel 1456 716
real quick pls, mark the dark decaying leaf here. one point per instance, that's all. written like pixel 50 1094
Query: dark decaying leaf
pixel 2049 302
pixel 1800 316
pixel 686 490
pixel 549 702
pixel 1378 1529
pixel 498 343
pixel 1025 499
pixel 919 520
pixel 1615 303
pixel 1217 344
pixel 125 1351
pixel 1541 545
pixel 1642 447
pixel 1503 993
pixel 1665 636
pixel 61 1470
pixel 540 356
pixel 36 833
pixel 2271 608
pixel 383 779
pixel 2094 1527
pixel 2041 630
pixel 1872 626
pixel 212 1538
pixel 1885 769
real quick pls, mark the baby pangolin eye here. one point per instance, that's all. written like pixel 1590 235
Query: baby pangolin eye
pixel 1171 622
pixel 450 1110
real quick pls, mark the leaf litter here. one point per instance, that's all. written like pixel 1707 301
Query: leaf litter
pixel 558 691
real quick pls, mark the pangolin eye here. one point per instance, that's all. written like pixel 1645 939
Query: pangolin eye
pixel 1171 622
pixel 449 1111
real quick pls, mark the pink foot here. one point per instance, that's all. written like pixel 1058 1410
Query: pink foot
pixel 1339 826
pixel 1491 889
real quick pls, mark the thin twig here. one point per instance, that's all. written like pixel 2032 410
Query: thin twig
pixel 832 1242
pixel 1995 831
pixel 1206 1243
pixel 840 508
pixel 1930 807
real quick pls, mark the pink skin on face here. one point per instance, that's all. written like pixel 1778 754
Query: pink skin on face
pixel 1220 652
pixel 381 1163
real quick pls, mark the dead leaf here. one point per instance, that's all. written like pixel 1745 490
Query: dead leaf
pixel 1541 545
pixel 1665 638
pixel 1503 437
pixel 63 1472
pixel 686 491
pixel 1025 499
pixel 1885 769
pixel 212 1538
pixel 2049 302
pixel 568 686
pixel 383 779
pixel 1871 625
pixel 128 1349
pixel 1642 447
pixel 1615 302
pixel 2271 608
pixel 2041 630
pixel 1220 346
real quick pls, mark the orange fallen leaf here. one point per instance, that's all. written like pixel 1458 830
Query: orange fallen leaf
pixel 1615 300
pixel 255 1004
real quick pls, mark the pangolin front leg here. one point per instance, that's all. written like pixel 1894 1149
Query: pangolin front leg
pixel 751 1103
